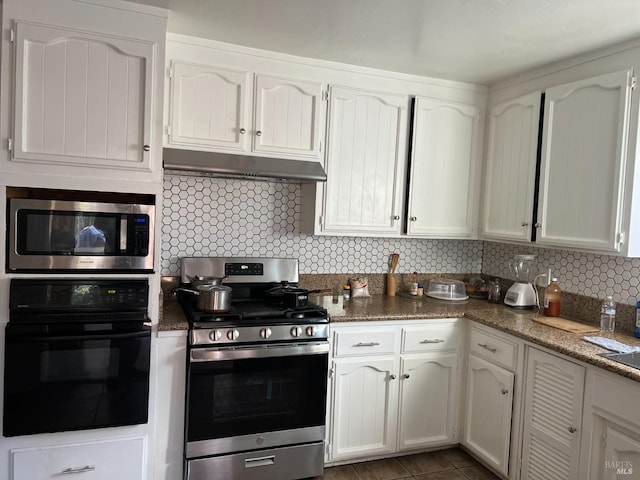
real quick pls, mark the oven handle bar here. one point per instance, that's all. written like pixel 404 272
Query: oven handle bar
pixel 65 338
pixel 216 354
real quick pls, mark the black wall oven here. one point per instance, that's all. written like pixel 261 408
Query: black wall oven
pixel 77 355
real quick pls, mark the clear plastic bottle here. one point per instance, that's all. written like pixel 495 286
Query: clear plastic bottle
pixel 608 315
pixel 413 287
pixel 552 296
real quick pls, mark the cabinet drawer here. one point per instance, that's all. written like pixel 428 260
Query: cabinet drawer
pixel 490 347
pixel 121 459
pixel 365 341
pixel 427 338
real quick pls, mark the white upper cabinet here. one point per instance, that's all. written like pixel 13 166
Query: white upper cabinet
pixel 82 98
pixel 287 117
pixel 511 169
pixel 365 162
pixel 444 169
pixel 208 107
pixel 584 161
pixel 229 110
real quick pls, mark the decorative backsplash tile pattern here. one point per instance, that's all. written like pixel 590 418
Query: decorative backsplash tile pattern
pixel 587 274
pixel 218 217
pixel 205 216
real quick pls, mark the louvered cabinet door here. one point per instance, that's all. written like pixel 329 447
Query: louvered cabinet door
pixel 552 417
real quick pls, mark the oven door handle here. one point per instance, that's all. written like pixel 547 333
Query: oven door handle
pixel 213 354
pixel 65 338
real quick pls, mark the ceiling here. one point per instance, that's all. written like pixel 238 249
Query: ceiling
pixel 479 41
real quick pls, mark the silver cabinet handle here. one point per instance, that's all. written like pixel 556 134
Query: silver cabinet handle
pixel 146 148
pixel 396 217
pixel 243 131
pixel 537 225
pixel 436 340
pixel 487 347
pixel 525 224
pixel 260 461
pixel 258 133
pixel 504 391
pixel 392 377
pixel 413 219
pixel 573 429
pixel 85 469
pixel 406 375
pixel 367 344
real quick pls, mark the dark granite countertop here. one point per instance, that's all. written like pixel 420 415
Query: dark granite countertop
pixel 518 323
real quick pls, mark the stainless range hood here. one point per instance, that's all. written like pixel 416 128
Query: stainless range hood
pixel 227 165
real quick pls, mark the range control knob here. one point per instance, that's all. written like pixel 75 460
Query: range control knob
pixel 265 332
pixel 215 335
pixel 311 331
pixel 296 331
pixel 233 334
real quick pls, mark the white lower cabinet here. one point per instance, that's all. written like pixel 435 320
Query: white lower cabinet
pixel 552 417
pixel 487 430
pixel 393 387
pixel 122 459
pixel 610 442
pixel 493 371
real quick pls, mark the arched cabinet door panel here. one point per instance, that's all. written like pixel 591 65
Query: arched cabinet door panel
pixel 82 98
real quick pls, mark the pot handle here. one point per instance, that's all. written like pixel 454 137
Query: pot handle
pixel 175 291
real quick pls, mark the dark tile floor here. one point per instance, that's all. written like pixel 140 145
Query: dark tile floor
pixel 452 464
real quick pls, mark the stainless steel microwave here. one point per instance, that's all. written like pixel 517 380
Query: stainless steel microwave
pixel 79 236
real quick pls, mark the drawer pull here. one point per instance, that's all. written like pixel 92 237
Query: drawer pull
pixel 406 375
pixel 504 391
pixel 437 340
pixel 367 344
pixel 392 377
pixel 487 347
pixel 260 461
pixel 572 429
pixel 85 469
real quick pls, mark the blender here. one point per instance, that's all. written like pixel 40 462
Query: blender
pixel 522 294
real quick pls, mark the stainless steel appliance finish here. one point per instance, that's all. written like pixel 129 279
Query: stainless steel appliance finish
pixel 240 269
pixel 65 235
pixel 256 377
pixel 299 461
pixel 227 165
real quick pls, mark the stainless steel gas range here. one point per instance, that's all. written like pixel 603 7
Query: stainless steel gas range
pixel 256 376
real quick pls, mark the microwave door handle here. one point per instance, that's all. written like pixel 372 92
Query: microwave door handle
pixel 64 338
pixel 123 233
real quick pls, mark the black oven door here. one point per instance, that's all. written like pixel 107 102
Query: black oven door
pixel 250 393
pixel 75 376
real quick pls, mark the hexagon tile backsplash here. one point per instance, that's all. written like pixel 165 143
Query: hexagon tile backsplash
pixel 217 217
pixel 205 216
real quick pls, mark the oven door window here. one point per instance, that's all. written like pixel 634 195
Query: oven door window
pixel 75 381
pixel 239 397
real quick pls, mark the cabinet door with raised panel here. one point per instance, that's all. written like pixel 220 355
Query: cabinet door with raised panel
pixel 444 169
pixel 511 168
pixel 287 117
pixel 552 417
pixel 365 404
pixel 208 107
pixel 428 400
pixel 82 98
pixel 584 157
pixel 487 427
pixel 365 162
